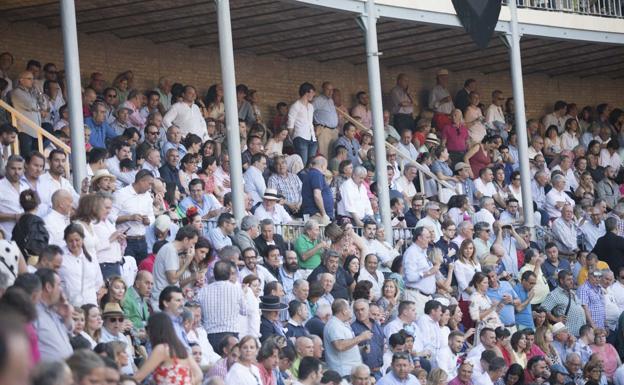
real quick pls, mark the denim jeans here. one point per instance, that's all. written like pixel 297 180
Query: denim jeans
pixel 110 269
pixel 306 149
pixel 137 248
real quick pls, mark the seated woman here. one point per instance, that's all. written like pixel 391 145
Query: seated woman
pixel 30 233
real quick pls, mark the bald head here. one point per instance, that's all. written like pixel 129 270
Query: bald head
pixel 304 347
pixel 143 283
pixel 62 201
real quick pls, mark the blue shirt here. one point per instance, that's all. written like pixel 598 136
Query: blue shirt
pixel 180 332
pixel 392 379
pixel 100 133
pixel 315 180
pixel 507 314
pixel 551 271
pixel 524 317
pixel 374 357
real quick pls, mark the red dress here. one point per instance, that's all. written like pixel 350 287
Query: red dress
pixel 478 161
pixel 173 374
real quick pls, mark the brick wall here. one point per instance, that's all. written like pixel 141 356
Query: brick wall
pixel 276 78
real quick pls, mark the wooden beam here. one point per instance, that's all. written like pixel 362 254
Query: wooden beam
pixel 572 61
pixel 541 55
pixel 590 64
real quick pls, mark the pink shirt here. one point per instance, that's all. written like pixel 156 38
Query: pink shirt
pixel 455 137
pixel 608 354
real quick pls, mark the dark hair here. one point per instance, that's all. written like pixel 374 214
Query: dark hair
pixel 160 330
pixel 46 276
pixel 141 174
pixel 306 87
pixel 96 154
pixel 222 271
pixel 29 200
pixel 527 274
pixel 186 232
pixel 515 339
pixel 104 349
pixel 534 360
pixel 516 370
pixel 308 366
pixel 7 128
pixel 432 305
pixel 29 282
pixel 362 290
pixel 166 294
pixel 396 339
pixel 224 217
pixel 223 343
pixel 16 300
pixel 293 307
pixel 76 228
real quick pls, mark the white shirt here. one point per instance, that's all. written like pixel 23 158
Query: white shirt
pixel 200 337
pixel 107 251
pixel 437 94
pixel 127 202
pixel 261 272
pixel 612 310
pixel 432 335
pixel 618 377
pixel 484 215
pixel 494 113
pixel 415 265
pixel 240 374
pixel 80 278
pixel 385 252
pixel 487 189
pixel 552 198
pixel 431 224
pixel 301 120
pixel 278 215
pixel 447 361
pixel 618 291
pixel 463 274
pixel 9 204
pixel 254 183
pixel 188 117
pixel 607 159
pixel 592 232
pixel 571 182
pixel 354 200
pixel 56 223
pixel 405 186
pixel 377 280
pixel 47 186
pixel 553 120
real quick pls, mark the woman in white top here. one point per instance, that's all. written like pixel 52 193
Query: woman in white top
pixel 81 277
pixel 275 145
pixel 570 138
pixel 250 323
pixel 473 116
pixel 86 214
pixel 93 323
pixel 245 371
pixel 483 311
pixel 188 170
pixel 465 268
pixel 515 188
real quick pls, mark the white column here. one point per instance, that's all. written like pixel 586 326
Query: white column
pixel 226 52
pixel 74 92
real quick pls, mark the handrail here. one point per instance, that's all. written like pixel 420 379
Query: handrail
pixel 399 151
pixel 18 116
pixel 605 8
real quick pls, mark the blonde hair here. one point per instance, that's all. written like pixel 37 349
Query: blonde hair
pixel 436 376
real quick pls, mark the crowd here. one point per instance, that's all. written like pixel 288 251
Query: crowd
pixel 145 276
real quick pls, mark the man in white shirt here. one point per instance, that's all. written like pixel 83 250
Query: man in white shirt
pixel 271 209
pixel 484 185
pixel 58 218
pixel 407 148
pixel 405 183
pixel 254 181
pixel 594 228
pixel 250 258
pixel 186 115
pixel 122 151
pixel 432 220
pixel 556 197
pixel 487 212
pixel 429 326
pixel 448 358
pixel 557 117
pixel 383 250
pixel 371 274
pixel 10 188
pixel 133 211
pixel 440 100
pixel 354 202
pixel 565 232
pixel 301 123
pixel 494 116
pixel 54 180
pixel 419 273
pixel 565 166
pixel 617 288
pixel 152 162
pixel 496 369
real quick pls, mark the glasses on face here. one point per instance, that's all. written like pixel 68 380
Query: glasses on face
pixel 152 133
pixel 111 96
pixel 116 319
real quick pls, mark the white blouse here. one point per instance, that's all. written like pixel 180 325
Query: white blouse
pixel 250 324
pixel 240 374
pixel 463 274
pixel 80 278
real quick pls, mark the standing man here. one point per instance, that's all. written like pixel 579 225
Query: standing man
pixel 372 351
pixel 134 210
pixel 8 134
pixel 186 115
pixel 591 296
pixel 301 123
pixel 419 273
pixel 440 100
pixel 402 104
pixel 24 100
pixel 462 97
pixel 11 187
pixel 325 119
pixel 564 306
pixel 341 344
pixel 361 111
pixel 317 196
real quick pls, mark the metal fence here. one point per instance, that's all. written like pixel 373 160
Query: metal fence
pixel 606 8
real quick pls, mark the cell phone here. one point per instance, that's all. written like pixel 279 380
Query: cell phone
pixel 126 231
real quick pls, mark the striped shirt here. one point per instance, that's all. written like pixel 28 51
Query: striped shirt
pixel 221 304
pixel 289 186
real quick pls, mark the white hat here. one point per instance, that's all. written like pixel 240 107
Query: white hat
pixel 163 222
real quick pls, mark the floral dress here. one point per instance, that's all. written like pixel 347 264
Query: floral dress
pixel 174 373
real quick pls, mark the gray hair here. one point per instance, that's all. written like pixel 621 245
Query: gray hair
pixel 463 226
pixel 248 222
pixel 298 283
pixel 360 171
pixel 407 167
pixel 50 373
pixel 431 205
pixel 310 224
pixel 485 200
pixel 187 315
pixel 266 222
pixel 360 368
pixel 229 252
pixel 557 178
pixel 323 310
pixel 619 209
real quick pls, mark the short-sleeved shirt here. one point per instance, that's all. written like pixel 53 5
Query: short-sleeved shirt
pixel 524 317
pixel 556 303
pixel 506 315
pixel 342 362
pixel 316 181
pixel 166 260
pixel 302 245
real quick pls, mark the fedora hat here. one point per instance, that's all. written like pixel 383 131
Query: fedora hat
pixel 112 309
pixel 271 302
pixel 102 173
pixel 271 194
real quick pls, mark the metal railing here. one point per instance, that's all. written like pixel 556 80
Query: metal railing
pixel 606 8
pixel 18 117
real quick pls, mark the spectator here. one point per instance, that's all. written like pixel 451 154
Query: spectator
pixel 268 237
pixel 24 100
pixel 591 297
pixel 135 302
pixel 254 179
pixel 400 372
pixel 11 186
pixel 556 304
pixel 30 233
pixel 317 198
pixel 340 342
pixel 8 134
pixel 301 124
pixel 610 247
pixel 186 115
pixel 287 185
pixel 271 209
pixel 344 283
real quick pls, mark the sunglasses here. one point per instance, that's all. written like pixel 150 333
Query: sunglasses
pixel 118 319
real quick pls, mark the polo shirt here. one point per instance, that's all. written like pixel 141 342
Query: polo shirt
pixel 342 362
pixel 374 357
pixel 302 245
pixel 524 317
pixel 315 180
